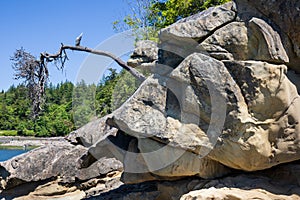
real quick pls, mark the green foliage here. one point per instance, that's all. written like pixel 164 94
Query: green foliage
pixel 114 90
pixel 148 16
pixel 124 88
pixel 8 133
pixel 168 12
pixel 138 20
pixel 67 107
pixel 83 103
pixel 105 91
pixel 55 119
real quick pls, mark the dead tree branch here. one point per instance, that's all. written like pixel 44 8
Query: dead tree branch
pixel 35 74
pixel 50 57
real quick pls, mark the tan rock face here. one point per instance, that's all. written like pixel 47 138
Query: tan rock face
pixel 234 193
pixel 282 16
pixel 228 43
pixel 226 99
pixel 220 98
pixel 265 87
pixel 265 43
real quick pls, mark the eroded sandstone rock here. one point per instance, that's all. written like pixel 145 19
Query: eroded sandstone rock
pixel 278 183
pixel 234 193
pixel 227 43
pixel 282 16
pixel 181 39
pixel 50 162
pixel 200 25
pixel 224 96
pixel 146 52
pixel 229 110
pixel 265 43
pixel 90 133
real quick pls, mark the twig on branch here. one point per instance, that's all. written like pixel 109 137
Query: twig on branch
pixel 35 72
pixel 49 57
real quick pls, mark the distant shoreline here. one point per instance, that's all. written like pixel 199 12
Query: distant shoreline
pixel 21 142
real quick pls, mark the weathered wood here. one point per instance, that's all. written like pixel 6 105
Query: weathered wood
pixel 120 62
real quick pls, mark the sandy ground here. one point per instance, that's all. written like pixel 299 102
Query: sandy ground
pixel 30 141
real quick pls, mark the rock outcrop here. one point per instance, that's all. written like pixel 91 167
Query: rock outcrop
pixel 283 17
pixel 225 100
pixel 145 53
pixel 217 119
pixel 277 183
pixel 54 170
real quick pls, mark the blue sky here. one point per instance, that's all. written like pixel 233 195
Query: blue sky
pixel 40 26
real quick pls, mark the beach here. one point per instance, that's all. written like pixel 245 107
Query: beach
pixel 28 142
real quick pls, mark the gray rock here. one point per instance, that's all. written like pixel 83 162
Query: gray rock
pixel 50 162
pixel 265 43
pixel 200 25
pixel 146 51
pixel 283 16
pixel 136 116
pixel 91 132
pixel 181 38
pixel 228 42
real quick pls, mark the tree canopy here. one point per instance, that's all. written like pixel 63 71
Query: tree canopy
pixel 165 13
pixel 146 17
pixel 66 106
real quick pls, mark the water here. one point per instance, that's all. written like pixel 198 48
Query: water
pixel 6 154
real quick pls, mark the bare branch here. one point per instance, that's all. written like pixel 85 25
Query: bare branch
pixel 35 73
pixel 49 57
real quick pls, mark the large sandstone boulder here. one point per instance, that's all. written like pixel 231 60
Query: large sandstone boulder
pixel 244 135
pixel 223 98
pixel 226 100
